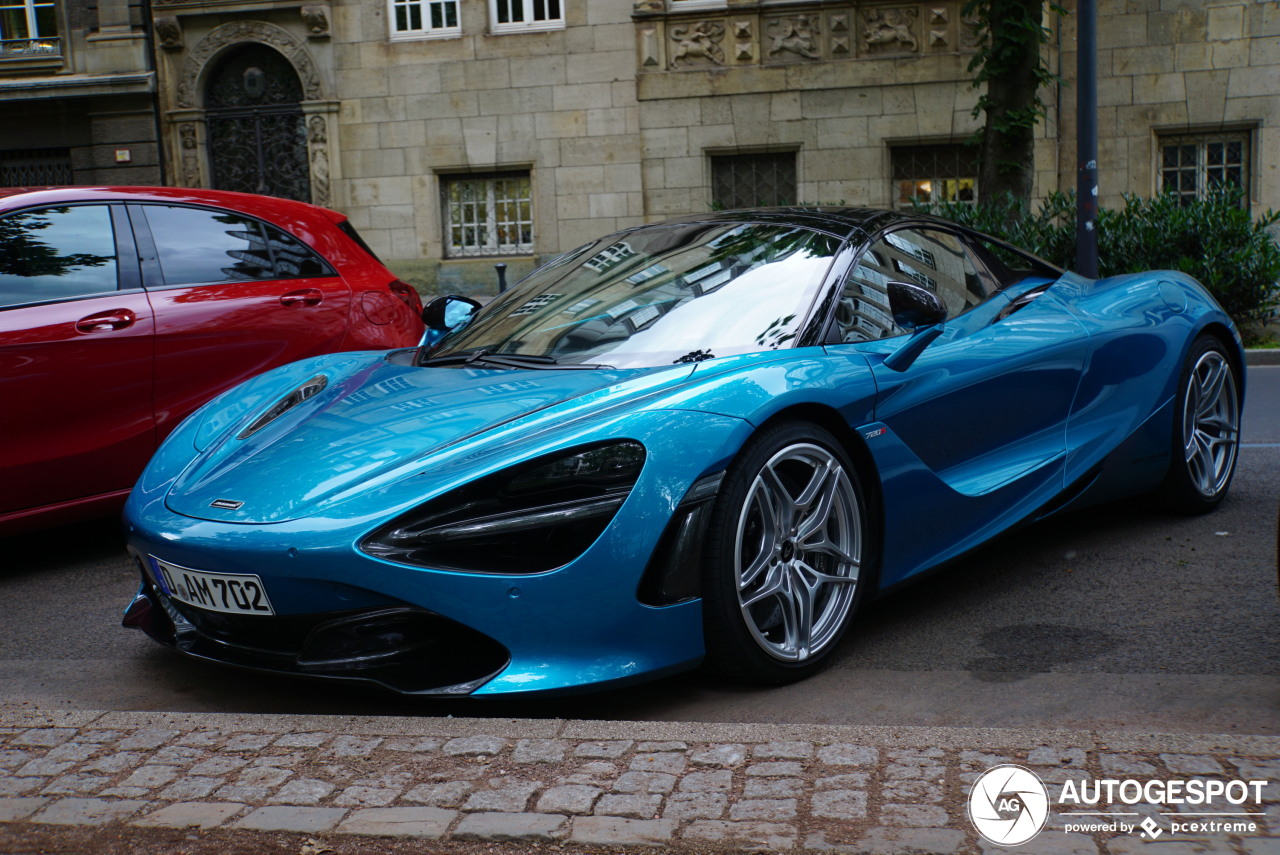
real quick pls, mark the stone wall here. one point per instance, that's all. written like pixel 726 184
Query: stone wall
pixel 1171 66
pixel 560 104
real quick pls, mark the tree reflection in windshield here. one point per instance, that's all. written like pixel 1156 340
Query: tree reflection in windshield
pixel 659 295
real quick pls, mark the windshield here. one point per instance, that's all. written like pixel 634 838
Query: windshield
pixel 659 295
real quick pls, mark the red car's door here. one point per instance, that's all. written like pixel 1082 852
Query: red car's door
pixel 75 357
pixel 233 297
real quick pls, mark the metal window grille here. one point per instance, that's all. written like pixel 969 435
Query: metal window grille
pixel 489 215
pixel 520 14
pixel 946 172
pixel 35 167
pixel 424 16
pixel 28 30
pixel 753 180
pixel 1192 165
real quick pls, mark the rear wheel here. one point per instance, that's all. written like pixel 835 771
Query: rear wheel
pixel 785 553
pixel 1206 433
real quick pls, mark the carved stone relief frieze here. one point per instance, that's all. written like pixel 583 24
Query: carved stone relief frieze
pixel 743 41
pixel 698 43
pixel 793 36
pixel 674 36
pixel 838 27
pixel 890 30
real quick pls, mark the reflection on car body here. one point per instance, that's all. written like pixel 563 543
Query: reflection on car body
pixel 777 399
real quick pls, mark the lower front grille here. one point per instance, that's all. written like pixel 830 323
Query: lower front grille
pixel 403 648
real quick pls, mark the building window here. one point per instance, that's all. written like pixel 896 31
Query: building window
pixel 35 167
pixel 1191 165
pixel 753 180
pixel 488 214
pixel 511 16
pixel 934 173
pixel 419 19
pixel 28 30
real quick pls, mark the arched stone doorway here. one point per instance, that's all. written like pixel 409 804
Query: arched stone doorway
pixel 256 130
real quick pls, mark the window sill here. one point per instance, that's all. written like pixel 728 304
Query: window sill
pixel 435 35
pixel 512 29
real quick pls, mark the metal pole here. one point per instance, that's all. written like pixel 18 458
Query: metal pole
pixel 1087 138
pixel 502 276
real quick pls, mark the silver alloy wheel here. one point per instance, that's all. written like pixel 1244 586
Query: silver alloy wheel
pixel 798 552
pixel 1210 423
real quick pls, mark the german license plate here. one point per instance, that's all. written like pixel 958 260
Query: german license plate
pixel 233 593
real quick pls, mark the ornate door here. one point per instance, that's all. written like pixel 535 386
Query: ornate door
pixel 256 131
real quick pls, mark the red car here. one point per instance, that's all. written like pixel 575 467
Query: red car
pixel 122 309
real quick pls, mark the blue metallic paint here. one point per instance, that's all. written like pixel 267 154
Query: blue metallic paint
pixel 989 426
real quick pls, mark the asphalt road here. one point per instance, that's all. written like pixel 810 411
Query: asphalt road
pixel 1116 617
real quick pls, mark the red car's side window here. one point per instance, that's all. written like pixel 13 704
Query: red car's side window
pixel 52 254
pixel 197 246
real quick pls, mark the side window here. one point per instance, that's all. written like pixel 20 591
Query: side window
pixel 57 254
pixel 862 314
pixel 198 246
pixel 937 260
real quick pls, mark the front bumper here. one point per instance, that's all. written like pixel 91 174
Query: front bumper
pixel 582 626
pixel 401 648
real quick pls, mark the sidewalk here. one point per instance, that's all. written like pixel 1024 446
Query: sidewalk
pixel 583 785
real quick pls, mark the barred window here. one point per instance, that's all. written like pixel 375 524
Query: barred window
pixel 35 167
pixel 1193 164
pixel 525 15
pixel 946 172
pixel 423 18
pixel 488 214
pixel 28 30
pixel 753 180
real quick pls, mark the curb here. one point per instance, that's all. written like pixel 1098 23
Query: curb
pixel 881 736
pixel 1262 356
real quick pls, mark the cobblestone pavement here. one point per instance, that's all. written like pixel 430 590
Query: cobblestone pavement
pixel 679 787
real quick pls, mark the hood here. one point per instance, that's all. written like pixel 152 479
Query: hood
pixel 379 423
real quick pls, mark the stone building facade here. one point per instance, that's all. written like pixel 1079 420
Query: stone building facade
pixel 462 133
pixel 77 91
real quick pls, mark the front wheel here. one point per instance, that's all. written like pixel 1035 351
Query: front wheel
pixel 787 545
pixel 1206 434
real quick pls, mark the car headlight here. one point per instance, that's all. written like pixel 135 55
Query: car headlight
pixel 528 519
pixel 310 389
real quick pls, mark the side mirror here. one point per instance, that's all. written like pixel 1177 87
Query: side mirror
pixel 444 313
pixel 915 306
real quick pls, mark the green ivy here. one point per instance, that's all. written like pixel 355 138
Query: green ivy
pixel 1011 34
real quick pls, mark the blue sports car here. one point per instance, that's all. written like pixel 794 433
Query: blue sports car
pixel 704 440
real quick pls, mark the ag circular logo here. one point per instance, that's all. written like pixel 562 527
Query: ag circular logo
pixel 1008 805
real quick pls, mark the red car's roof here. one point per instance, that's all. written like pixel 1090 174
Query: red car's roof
pixel 263 206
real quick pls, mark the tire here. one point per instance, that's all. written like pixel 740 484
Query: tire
pixel 1206 430
pixel 786 549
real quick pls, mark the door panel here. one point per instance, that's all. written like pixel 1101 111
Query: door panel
pixel 75 359
pixel 234 298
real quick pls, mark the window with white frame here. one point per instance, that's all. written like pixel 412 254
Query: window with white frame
pixel 517 16
pixel 423 19
pixel 488 214
pixel 28 29
pixel 1191 165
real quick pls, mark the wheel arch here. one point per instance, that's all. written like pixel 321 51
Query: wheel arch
pixel 1230 344
pixel 868 473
